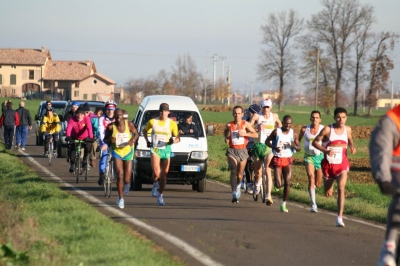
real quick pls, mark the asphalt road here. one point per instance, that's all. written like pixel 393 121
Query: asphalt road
pixel 248 233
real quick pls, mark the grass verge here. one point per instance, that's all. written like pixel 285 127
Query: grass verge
pixel 43 225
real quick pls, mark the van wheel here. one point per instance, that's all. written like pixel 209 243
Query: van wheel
pixel 201 185
pixel 136 183
pixel 194 185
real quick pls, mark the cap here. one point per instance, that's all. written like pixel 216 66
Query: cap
pixel 266 102
pixel 110 107
pixel 164 107
pixel 75 104
pixel 86 107
pixel 254 108
pixel 80 111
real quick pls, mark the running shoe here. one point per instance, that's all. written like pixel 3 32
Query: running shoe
pixel 71 168
pixel 160 199
pixel 23 149
pixel 55 154
pixel 250 188
pixel 120 203
pixel 257 189
pixel 269 202
pixel 242 184
pixel 283 208
pixel 46 154
pixel 387 256
pixel 101 179
pixel 126 189
pixel 339 222
pixel 154 190
pixel 234 197
pixel 314 208
pixel 238 192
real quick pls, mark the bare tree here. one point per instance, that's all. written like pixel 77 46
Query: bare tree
pixel 276 60
pixel 334 26
pixel 185 77
pixel 381 65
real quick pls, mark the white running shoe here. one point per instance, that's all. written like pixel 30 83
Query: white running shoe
pixel 387 257
pixel 160 199
pixel 238 192
pixel 339 222
pixel 234 197
pixel 257 189
pixel 154 190
pixel 314 208
pixel 23 149
pixel 250 188
pixel 120 203
pixel 126 189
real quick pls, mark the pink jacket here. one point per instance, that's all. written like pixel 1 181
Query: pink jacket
pixel 79 130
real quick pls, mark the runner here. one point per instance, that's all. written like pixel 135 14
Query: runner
pixel 283 141
pixel 162 133
pixel 335 165
pixel 121 135
pixel 266 123
pixel 312 156
pixel 236 134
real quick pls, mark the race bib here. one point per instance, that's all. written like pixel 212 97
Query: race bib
pixel 236 139
pixel 159 141
pixel 265 132
pixel 337 156
pixel 286 149
pixel 121 140
pixel 311 149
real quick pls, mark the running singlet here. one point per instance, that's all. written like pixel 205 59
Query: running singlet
pixel 308 139
pixel 121 146
pixel 336 143
pixel 160 135
pixel 283 142
pixel 236 141
pixel 266 125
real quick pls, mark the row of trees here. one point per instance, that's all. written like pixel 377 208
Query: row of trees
pixel 337 43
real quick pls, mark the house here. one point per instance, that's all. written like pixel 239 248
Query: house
pixel 32 73
pixel 386 101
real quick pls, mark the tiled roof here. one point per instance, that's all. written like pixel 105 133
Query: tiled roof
pixel 68 70
pixel 104 78
pixel 23 56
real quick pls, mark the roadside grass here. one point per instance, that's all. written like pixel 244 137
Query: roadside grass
pixel 44 225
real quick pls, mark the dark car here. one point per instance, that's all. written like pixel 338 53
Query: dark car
pixel 58 108
pixel 62 146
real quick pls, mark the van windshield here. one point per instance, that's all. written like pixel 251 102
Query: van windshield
pixel 189 123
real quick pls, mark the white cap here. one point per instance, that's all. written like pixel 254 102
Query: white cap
pixel 266 102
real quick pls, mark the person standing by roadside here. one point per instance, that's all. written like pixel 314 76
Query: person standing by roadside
pixel 384 152
pixel 121 136
pixel 237 133
pixel 25 124
pixel 312 156
pixel 10 120
pixel 283 141
pixel 162 133
pixel 335 139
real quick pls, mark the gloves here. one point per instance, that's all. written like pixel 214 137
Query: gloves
pixel 67 138
pixel 88 140
pixel 149 144
pixel 387 188
pixel 171 140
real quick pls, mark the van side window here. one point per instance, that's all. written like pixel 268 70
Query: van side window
pixel 137 119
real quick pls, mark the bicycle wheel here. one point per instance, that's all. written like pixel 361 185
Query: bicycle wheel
pixel 108 184
pixel 86 168
pixel 77 167
pixel 263 190
pixel 50 152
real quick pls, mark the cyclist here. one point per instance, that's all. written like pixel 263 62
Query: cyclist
pixel 266 122
pixel 236 134
pixel 104 121
pixel 95 127
pixel 121 135
pixel 162 133
pixel 312 156
pixel 79 128
pixel 50 127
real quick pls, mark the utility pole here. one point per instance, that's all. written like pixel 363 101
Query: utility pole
pixel 316 82
pixel 229 85
pixel 215 71
pixel 222 66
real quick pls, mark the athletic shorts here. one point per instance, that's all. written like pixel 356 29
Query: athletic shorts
pixel 334 170
pixel 260 150
pixel 280 162
pixel 128 157
pixel 164 154
pixel 314 160
pixel 238 154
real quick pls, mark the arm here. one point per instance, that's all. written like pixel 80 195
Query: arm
pixel 175 133
pixel 250 132
pixel 134 132
pixel 351 142
pixel 253 119
pixel 89 127
pixel 146 129
pixel 108 135
pixel 269 140
pixel 296 143
pixel 57 120
pixel 69 128
pixel 16 119
pixel 102 131
pixel 324 133
pixel 29 118
pixel 227 133
pixel 1 120
pixel 302 131
pixel 44 125
pixel 278 122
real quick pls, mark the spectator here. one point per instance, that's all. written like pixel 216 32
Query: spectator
pixel 25 124
pixel 187 126
pixel 10 120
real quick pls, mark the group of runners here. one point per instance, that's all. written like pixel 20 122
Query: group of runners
pixel 271 143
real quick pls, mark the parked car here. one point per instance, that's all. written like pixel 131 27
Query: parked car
pixel 58 108
pixel 62 144
pixel 188 164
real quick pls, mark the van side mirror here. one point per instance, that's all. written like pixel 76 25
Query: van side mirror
pixel 210 130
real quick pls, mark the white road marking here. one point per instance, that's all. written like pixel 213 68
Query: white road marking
pixel 192 251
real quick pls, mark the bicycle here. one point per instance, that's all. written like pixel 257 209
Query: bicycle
pixel 51 150
pixel 78 164
pixel 108 175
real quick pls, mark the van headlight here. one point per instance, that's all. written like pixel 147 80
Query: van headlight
pixel 142 153
pixel 199 155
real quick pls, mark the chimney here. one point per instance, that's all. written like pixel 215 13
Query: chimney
pixel 43 49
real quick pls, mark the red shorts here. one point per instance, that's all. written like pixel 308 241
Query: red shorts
pixel 280 162
pixel 334 170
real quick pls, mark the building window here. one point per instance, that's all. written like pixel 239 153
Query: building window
pixel 13 79
pixel 94 97
pixel 94 82
pixel 31 74
pixel 76 93
pixel 13 66
pixel 85 96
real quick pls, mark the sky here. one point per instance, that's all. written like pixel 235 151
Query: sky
pixel 129 39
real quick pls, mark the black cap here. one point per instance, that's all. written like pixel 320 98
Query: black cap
pixel 86 107
pixel 80 111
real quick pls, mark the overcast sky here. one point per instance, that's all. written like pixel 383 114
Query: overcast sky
pixel 131 39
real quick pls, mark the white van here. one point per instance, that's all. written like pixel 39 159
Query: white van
pixel 189 159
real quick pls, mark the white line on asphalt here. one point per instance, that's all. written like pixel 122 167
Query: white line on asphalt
pixel 192 251
pixel 324 212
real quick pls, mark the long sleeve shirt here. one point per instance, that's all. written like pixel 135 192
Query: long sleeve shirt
pixel 9 118
pixel 50 124
pixel 79 129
